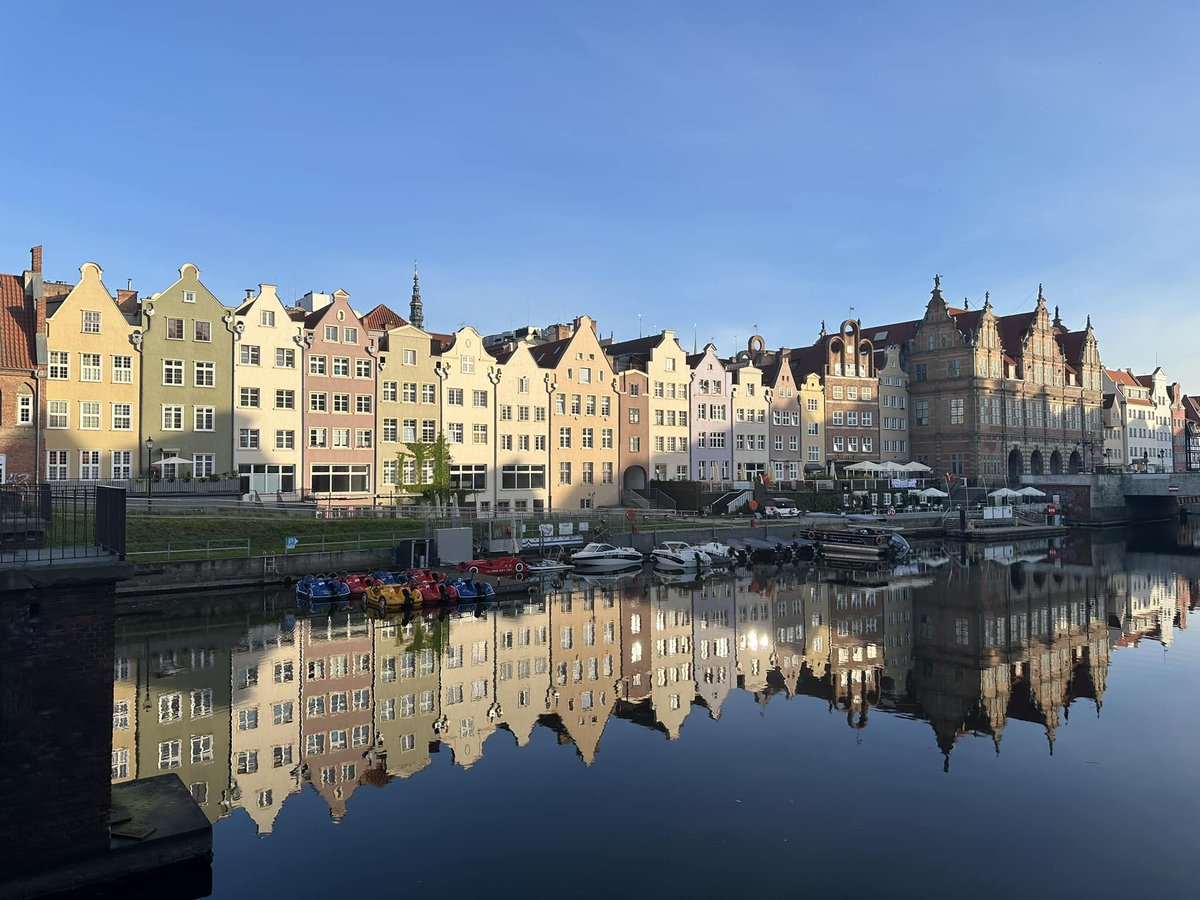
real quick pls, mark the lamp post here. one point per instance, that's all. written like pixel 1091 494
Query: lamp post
pixel 149 470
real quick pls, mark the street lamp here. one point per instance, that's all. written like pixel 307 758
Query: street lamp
pixel 149 470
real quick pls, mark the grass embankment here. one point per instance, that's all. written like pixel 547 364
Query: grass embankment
pixel 153 538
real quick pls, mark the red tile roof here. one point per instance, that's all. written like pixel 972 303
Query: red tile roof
pixel 1120 376
pixel 1012 329
pixel 18 322
pixel 381 318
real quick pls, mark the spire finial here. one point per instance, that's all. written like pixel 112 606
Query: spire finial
pixel 1041 298
pixel 987 299
pixel 1057 318
pixel 1089 321
pixel 416 310
pixel 823 332
pixel 937 282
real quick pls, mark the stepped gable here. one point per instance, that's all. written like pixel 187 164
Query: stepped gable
pixel 18 322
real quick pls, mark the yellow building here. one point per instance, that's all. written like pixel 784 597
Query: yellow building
pixel 674 685
pixel 92 385
pixel 523 665
pixel 409 401
pixel 584 406
pixel 469 375
pixel 407 697
pixel 522 422
pixel 469 711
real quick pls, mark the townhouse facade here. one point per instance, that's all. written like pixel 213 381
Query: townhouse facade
pixel 750 404
pixel 711 417
pixel 269 385
pixel 187 384
pixel 469 377
pixel 92 408
pixel 339 395
pixel 521 480
pixel 785 435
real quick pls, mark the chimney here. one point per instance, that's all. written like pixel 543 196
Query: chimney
pixel 35 262
pixel 249 293
pixel 126 296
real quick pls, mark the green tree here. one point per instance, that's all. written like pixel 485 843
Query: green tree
pixel 431 462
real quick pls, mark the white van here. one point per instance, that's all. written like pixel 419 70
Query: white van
pixel 782 508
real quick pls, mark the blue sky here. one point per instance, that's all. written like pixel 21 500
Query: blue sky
pixel 707 166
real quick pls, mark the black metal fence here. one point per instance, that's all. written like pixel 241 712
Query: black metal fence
pixel 54 522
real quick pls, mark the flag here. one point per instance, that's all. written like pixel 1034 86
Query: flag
pixel 951 478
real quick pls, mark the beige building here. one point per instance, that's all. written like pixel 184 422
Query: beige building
pixel 751 404
pixel 583 420
pixel 92 385
pixel 265 757
pixel 674 684
pixel 893 407
pixel 268 382
pixel 469 376
pixel 713 636
pixel 468 702
pixel 812 417
pixel 664 364
pixel 521 482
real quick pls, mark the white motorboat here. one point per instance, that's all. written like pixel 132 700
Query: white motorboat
pixel 606 556
pixel 678 556
pixel 721 554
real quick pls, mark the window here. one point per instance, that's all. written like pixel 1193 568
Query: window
pixel 341 366
pixel 60 365
pixel 921 371
pixel 172 371
pixel 349 335
pixel 479 398
pixel 479 434
pixel 89 415
pixel 248 438
pixel 318 401
pixel 122 464
pixel 921 412
pixel 362 437
pixel 174 329
pixel 122 370
pixel 331 333
pixel 429 393
pixel 467 365
pixel 202 330
pixel 90 367
pixel 317 365
pixel 285 358
pixel 317 437
pixel 57 464
pixel 455 432
pixel 341 437
pixel 956 410
pixel 89 465
pixel 428 430
pixel 362 403
pixel 454 396
pixel 91 321
pixel 204 419
pixel 248 719
pixel 189 296
pixel 170 754
pixel 340 478
pixel 520 477
pixel 249 355
pixel 564 473
pixel 285 399
pixel 172 418
pixel 564 438
pixel 204 374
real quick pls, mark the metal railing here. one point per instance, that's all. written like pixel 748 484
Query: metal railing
pixel 54 522
pixel 160 487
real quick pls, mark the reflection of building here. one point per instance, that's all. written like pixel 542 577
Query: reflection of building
pixel 522 659
pixel 335 704
pixel 584 664
pixel 184 722
pixel 468 670
pixel 265 722
pixel 713 616
pixel 1143 605
pixel 127 680
pixel 1007 642
pixel 673 685
pixel 755 634
pixel 407 698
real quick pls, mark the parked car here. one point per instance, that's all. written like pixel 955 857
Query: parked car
pixel 781 508
pixel 501 565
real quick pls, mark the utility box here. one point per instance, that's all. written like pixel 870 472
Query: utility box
pixel 415 553
pixel 454 545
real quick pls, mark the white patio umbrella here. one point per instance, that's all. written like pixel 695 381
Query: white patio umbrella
pixel 1004 492
pixel 172 461
pixel 890 466
pixel 915 467
pixel 864 466
pixel 931 492
pixel 1030 491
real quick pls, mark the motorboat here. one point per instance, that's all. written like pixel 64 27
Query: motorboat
pixel 720 554
pixel 679 555
pixel 605 556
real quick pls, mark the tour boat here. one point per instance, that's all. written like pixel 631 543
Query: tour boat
pixel 679 555
pixel 859 541
pixel 606 556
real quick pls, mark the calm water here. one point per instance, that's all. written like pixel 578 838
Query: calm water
pixel 1000 720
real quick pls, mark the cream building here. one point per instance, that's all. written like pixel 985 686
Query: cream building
pixel 469 376
pixel 674 684
pixel 268 381
pixel 92 385
pixel 468 702
pixel 408 404
pixel 893 407
pixel 407 695
pixel 522 418
pixel 755 634
pixel 713 636
pixel 583 415
pixel 812 417
pixel 265 754
pixel 665 366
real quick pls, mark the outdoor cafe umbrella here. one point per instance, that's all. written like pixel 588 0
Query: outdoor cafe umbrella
pixel 865 466
pixel 931 492
pixel 1030 491
pixel 1004 492
pixel 914 467
pixel 172 461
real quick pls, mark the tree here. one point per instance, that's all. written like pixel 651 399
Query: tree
pixel 431 466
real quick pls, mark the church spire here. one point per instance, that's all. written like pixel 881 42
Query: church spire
pixel 416 312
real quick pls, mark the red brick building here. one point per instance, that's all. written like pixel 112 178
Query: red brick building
pixel 22 371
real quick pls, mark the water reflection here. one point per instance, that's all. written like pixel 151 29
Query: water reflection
pixel 250 709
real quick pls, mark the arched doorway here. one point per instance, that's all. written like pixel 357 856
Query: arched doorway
pixel 1075 465
pixel 1016 465
pixel 1055 463
pixel 634 479
pixel 1036 464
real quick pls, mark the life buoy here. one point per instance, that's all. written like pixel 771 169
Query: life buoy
pixel 520 576
pixel 519 567
pixel 630 515
pixel 474 570
pixel 879 540
pixel 508 530
pixel 812 535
